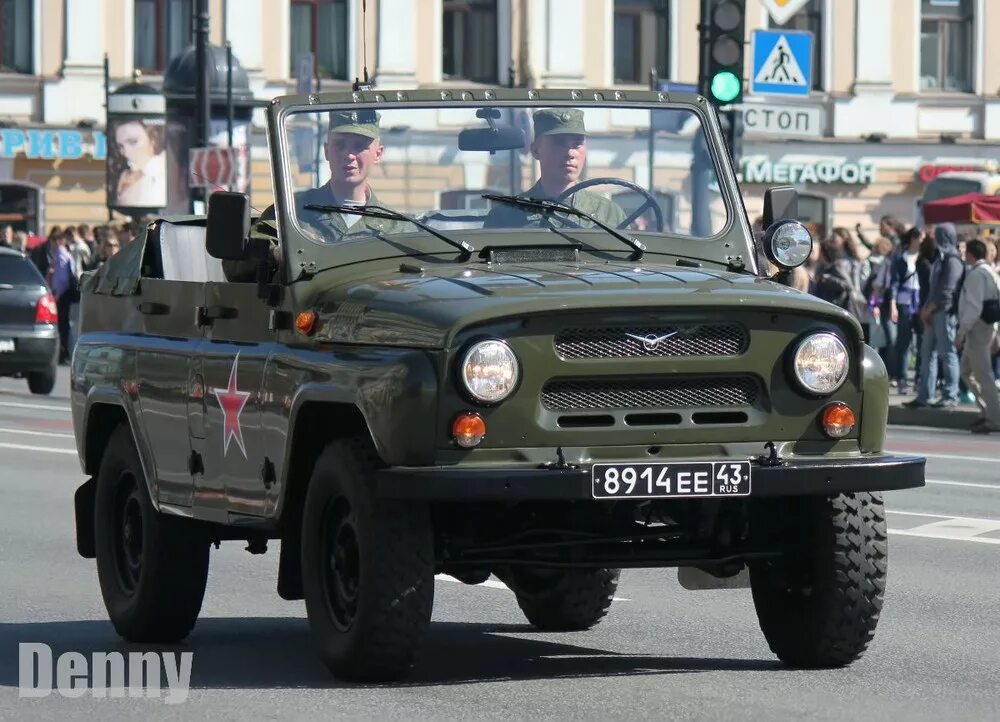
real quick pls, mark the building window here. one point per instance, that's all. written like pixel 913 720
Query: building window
pixel 946 42
pixel 641 32
pixel 810 18
pixel 15 36
pixel 320 27
pixel 469 50
pixel 163 29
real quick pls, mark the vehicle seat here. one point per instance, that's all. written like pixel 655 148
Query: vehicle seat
pixel 184 255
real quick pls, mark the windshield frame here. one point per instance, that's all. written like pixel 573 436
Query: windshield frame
pixel 735 235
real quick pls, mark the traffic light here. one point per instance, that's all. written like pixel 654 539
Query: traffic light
pixel 722 48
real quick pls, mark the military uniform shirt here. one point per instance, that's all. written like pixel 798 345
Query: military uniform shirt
pixel 601 208
pixel 331 225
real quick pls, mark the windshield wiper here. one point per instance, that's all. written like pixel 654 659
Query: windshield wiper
pixel 374 211
pixel 549 207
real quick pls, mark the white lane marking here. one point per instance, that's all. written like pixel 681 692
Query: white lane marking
pixel 954 528
pixel 897 429
pixel 496 584
pixel 37 433
pixel 970 484
pixel 938 516
pixel 937 535
pixel 987 459
pixel 41 407
pixel 25 447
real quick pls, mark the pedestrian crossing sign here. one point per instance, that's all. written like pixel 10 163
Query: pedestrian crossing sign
pixel 782 62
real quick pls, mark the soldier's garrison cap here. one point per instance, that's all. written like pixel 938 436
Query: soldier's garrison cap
pixel 359 122
pixel 559 121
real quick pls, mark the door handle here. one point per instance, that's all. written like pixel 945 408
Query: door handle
pixel 205 315
pixel 149 308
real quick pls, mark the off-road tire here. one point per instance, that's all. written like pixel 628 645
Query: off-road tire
pixel 819 605
pixel 41 382
pixel 392 571
pixel 571 601
pixel 161 602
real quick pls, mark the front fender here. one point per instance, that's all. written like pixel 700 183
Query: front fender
pixel 874 402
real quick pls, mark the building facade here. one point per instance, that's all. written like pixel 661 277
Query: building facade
pixel 902 89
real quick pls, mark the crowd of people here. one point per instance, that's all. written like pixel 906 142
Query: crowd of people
pixel 63 257
pixel 927 300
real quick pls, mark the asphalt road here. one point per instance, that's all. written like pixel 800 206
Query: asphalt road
pixel 661 653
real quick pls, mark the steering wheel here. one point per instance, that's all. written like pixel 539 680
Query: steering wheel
pixel 649 202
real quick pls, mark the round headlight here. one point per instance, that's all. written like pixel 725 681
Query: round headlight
pixel 490 371
pixel 820 363
pixel 788 243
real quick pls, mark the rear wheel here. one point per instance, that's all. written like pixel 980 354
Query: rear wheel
pixel 41 382
pixel 367 567
pixel 818 606
pixel 152 568
pixel 563 601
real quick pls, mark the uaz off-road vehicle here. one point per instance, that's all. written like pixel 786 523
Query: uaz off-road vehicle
pixel 476 376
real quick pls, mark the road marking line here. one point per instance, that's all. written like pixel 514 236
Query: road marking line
pixel 42 433
pixel 496 584
pixel 971 484
pixel 988 459
pixel 932 535
pixel 25 447
pixel 939 516
pixel 43 407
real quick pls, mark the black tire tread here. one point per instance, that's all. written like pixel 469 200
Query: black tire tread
pixel 834 626
pixel 397 603
pixel 577 602
pixel 41 383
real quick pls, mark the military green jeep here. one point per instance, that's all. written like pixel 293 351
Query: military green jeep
pixel 521 333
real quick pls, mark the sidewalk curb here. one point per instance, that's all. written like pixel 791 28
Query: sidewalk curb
pixel 961 418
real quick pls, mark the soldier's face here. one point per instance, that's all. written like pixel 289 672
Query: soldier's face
pixel 352 156
pixel 561 156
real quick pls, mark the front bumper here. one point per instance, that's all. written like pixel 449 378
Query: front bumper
pixel 794 477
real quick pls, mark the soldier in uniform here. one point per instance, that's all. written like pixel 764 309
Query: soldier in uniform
pixel 560 147
pixel 353 148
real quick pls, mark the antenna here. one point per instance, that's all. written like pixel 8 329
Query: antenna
pixel 365 84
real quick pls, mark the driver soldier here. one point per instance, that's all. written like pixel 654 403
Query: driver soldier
pixel 560 147
pixel 352 149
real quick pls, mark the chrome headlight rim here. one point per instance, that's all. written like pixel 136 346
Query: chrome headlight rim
pixel 463 383
pixel 770 237
pixel 844 373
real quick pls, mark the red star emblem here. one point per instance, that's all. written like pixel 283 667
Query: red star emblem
pixel 231 401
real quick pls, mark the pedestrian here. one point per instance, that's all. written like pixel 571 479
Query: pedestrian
pixel 903 295
pixel 7 238
pixel 21 241
pixel 66 290
pixel 975 335
pixel 882 327
pixel 44 255
pixel 939 319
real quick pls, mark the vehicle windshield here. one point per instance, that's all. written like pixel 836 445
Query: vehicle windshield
pixel 646 171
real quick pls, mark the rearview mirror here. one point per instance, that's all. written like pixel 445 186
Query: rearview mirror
pixel 780 202
pixel 491 139
pixel 228 226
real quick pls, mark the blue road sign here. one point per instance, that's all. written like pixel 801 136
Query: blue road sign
pixel 782 62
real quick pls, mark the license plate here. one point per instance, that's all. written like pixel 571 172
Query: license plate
pixel 6 345
pixel 682 479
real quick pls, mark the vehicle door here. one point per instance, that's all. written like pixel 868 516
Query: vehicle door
pixel 167 340
pixel 230 368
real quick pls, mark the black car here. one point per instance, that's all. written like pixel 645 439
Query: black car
pixel 29 340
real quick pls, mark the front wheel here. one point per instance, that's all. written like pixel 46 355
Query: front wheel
pixel 819 604
pixel 152 568
pixel 367 567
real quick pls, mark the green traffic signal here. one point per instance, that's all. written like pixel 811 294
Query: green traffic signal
pixel 726 87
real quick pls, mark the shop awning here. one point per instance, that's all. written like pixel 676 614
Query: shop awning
pixel 966 208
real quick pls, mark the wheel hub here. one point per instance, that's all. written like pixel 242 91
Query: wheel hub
pixel 343 568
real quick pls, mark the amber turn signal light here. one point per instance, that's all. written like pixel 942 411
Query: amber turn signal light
pixel 838 420
pixel 468 429
pixel 305 322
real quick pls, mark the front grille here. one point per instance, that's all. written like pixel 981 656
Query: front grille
pixel 656 393
pixel 709 339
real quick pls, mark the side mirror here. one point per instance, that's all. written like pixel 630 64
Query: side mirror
pixel 780 202
pixel 491 139
pixel 228 227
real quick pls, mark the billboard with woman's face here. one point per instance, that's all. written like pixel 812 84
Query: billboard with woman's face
pixel 137 163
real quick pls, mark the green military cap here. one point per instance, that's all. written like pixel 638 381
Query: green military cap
pixel 359 122
pixel 557 121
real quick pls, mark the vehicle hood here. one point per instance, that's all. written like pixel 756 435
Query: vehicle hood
pixel 427 308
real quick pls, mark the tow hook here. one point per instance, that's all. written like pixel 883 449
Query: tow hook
pixel 559 463
pixel 770 458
